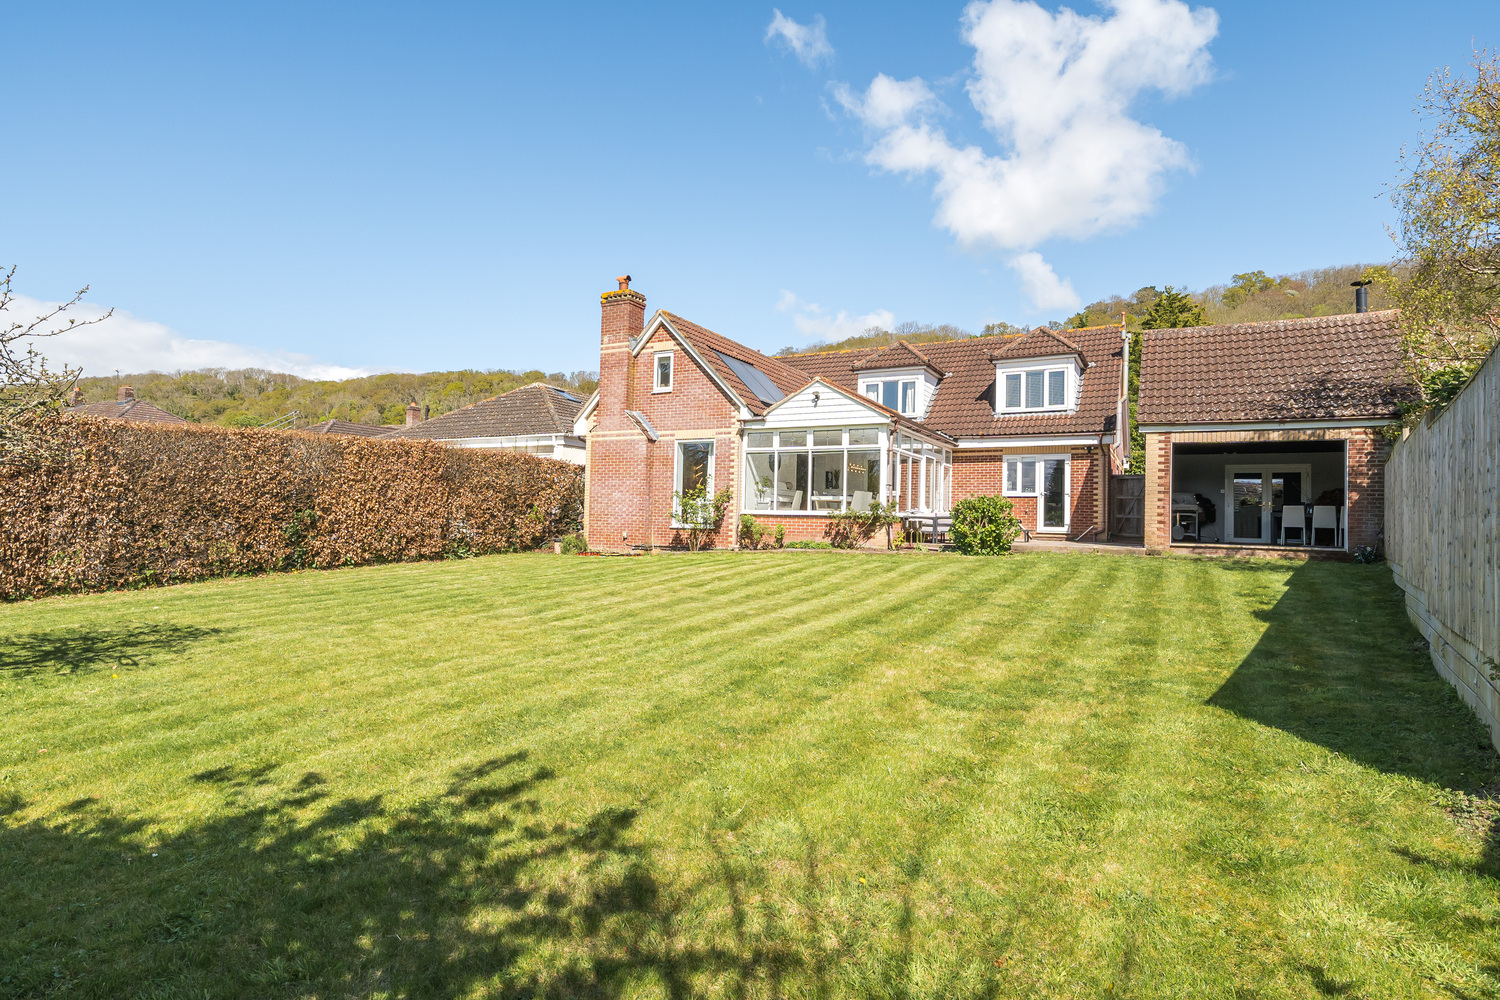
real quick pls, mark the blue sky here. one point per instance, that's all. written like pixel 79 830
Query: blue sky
pixel 427 187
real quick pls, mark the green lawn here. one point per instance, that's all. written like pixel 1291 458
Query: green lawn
pixel 797 774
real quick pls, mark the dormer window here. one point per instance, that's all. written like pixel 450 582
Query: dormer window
pixel 1024 390
pixel 897 394
pixel 662 377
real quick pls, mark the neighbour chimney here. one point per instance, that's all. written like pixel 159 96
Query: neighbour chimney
pixel 413 414
pixel 75 398
pixel 1361 296
pixel 622 316
pixel 123 393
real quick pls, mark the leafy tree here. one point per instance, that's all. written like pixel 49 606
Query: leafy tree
pixel 984 526
pixel 30 390
pixel 1242 286
pixel 1172 309
pixel 1448 286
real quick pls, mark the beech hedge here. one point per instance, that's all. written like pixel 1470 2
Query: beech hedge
pixel 97 504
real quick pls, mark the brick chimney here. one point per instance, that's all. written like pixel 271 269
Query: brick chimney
pixel 123 393
pixel 623 314
pixel 413 414
pixel 75 398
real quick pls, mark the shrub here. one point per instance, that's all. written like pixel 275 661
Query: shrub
pixel 984 526
pixel 701 514
pixel 803 544
pixel 574 544
pixel 750 531
pixel 847 529
pixel 780 536
pixel 1366 554
pixel 108 504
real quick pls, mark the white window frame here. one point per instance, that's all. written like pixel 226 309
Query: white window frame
pixel 1036 493
pixel 1070 388
pixel 780 449
pixel 671 357
pixel 677 472
pixel 872 390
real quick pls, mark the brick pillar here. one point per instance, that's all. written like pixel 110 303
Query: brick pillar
pixel 1368 452
pixel 1158 500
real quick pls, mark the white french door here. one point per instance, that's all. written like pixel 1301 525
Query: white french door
pixel 1256 498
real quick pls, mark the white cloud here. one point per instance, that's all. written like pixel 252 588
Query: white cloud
pixel 128 344
pixel 1042 285
pixel 814 322
pixel 1054 90
pixel 808 42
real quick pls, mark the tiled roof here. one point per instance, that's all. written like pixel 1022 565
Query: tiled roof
pixel 709 345
pixel 898 355
pixel 784 376
pixel 1039 343
pixel 347 427
pixel 134 411
pixel 965 403
pixel 533 409
pixel 1325 367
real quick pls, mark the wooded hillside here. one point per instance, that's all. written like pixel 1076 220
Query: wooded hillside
pixel 1246 298
pixel 249 397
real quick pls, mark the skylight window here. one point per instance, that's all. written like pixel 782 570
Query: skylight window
pixel 755 380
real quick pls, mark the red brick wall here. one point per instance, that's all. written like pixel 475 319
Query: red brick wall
pixel 630 479
pixel 982 473
pixel 1158 485
pixel 1368 452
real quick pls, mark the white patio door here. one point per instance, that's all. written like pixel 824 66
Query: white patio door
pixel 1255 497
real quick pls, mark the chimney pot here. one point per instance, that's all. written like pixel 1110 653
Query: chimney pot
pixel 624 281
pixel 413 414
pixel 124 392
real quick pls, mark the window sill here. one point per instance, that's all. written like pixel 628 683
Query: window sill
pixel 657 392
pixel 1044 409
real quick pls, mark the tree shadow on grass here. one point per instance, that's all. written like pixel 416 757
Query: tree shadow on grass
pixel 289 890
pixel 1340 665
pixel 80 651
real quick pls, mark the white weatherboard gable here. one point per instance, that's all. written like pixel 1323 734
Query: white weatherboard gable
pixel 832 408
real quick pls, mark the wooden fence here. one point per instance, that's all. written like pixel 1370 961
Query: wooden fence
pixel 1442 488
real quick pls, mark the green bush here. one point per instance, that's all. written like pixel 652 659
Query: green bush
pixel 984 526
pixel 574 544
pixel 848 529
pixel 809 545
pixel 750 531
pixel 780 536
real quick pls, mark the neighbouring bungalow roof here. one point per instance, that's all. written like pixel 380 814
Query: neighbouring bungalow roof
pixel 348 428
pixel 133 411
pixel 532 410
pixel 964 406
pixel 1320 368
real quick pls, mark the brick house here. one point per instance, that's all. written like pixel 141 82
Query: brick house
pixel 797 438
pixel 1253 428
